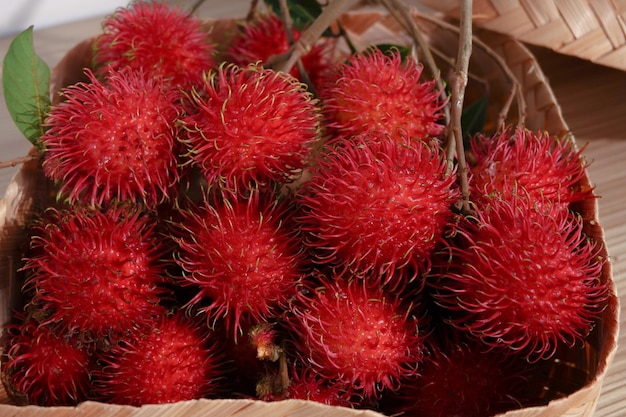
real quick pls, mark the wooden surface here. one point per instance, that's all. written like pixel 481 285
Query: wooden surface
pixel 593 101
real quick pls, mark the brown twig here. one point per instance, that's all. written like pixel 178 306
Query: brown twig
pixel 17 161
pixel 286 61
pixel 458 84
pixel 304 76
pixel 516 91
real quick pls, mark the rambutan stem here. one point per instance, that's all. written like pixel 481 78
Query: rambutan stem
pixel 284 8
pixel 459 82
pixel 16 161
pixel 312 34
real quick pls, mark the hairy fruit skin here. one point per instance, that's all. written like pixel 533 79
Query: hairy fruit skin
pixel 114 140
pixel 42 367
pixel 97 273
pixel 523 278
pixel 463 380
pixel 250 127
pixel 543 167
pixel 265 37
pixel 377 205
pixel 240 255
pixel 158 40
pixel 175 359
pixel 360 337
pixel 375 91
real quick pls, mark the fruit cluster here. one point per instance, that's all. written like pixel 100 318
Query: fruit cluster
pixel 223 229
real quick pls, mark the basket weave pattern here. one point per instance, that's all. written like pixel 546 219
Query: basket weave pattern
pixel 585 367
pixel 594 30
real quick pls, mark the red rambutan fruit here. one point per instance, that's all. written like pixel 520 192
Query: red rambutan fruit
pixel 251 127
pixel 545 167
pixel 463 380
pixel 522 277
pixel 97 273
pixel 175 359
pixel 159 40
pixel 377 91
pixel 41 367
pixel 242 257
pixel 361 337
pixel 377 204
pixel 265 36
pixel 306 384
pixel 114 140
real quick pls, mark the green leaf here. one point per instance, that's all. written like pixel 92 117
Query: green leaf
pixel 473 118
pixel 302 12
pixel 26 84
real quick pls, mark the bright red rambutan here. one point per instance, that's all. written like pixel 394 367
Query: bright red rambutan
pixel 251 127
pixel 265 36
pixel 114 140
pixel 376 91
pixel 41 367
pixel 157 39
pixel 358 336
pixel 240 255
pixel 175 359
pixel 96 273
pixel 522 277
pixel 547 168
pixel 377 205
pixel 463 380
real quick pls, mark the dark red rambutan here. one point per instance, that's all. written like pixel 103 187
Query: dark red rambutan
pixel 159 40
pixel 463 380
pixel 96 273
pixel 241 255
pixel 306 384
pixel 522 277
pixel 251 127
pixel 114 140
pixel 175 359
pixel 377 205
pixel 358 336
pixel 44 368
pixel 265 36
pixel 545 167
pixel 377 91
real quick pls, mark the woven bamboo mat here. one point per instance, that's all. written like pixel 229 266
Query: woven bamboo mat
pixel 590 29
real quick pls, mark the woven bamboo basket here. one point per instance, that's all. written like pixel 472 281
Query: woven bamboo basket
pixel 500 65
pixel 593 30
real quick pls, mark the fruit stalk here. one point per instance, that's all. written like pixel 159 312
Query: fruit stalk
pixel 459 82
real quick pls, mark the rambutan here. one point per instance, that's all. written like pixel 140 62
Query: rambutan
pixel 241 255
pixel 361 337
pixel 42 367
pixel 114 140
pixel 377 91
pixel 522 277
pixel 378 205
pixel 463 380
pixel 251 127
pixel 547 168
pixel 96 273
pixel 265 37
pixel 306 384
pixel 175 359
pixel 157 39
